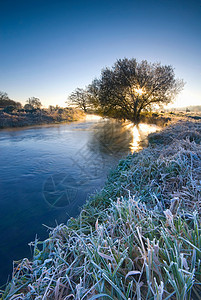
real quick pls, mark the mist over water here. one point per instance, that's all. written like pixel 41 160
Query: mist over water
pixel 48 172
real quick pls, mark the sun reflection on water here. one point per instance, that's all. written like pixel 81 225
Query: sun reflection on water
pixel 134 145
pixel 139 135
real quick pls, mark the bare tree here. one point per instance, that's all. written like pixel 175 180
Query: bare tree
pixel 130 87
pixel 4 96
pixel 79 98
pixel 6 101
pixel 34 102
pixel 93 96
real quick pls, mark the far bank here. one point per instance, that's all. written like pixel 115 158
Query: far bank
pixel 24 118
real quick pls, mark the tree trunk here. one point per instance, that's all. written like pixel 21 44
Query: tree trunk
pixel 136 117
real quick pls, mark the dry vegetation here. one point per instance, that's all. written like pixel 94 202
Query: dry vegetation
pixel 37 117
pixel 167 118
pixel 139 238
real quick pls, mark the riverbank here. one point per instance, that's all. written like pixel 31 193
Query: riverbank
pixel 24 118
pixel 39 117
pixel 138 238
pixel 163 119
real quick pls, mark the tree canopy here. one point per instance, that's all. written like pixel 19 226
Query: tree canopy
pixel 79 98
pixel 33 103
pixel 6 101
pixel 130 87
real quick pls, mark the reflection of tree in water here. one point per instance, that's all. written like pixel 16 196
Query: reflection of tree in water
pixel 111 137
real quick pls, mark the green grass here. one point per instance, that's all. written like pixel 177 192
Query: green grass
pixel 139 238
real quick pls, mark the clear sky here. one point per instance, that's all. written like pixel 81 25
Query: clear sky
pixel 48 48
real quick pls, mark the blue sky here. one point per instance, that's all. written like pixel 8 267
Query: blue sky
pixel 49 48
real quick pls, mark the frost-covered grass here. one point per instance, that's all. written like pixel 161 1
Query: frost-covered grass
pixel 39 117
pixel 139 238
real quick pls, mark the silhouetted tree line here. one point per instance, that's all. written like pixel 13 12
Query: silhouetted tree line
pixel 9 105
pixel 33 104
pixel 13 114
pixel 127 89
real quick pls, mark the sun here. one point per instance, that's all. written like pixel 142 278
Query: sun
pixel 139 91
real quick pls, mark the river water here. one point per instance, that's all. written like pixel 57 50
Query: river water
pixel 48 172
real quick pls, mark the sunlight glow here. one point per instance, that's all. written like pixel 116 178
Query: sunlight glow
pixel 139 91
pixel 93 117
pixel 139 134
pixel 134 145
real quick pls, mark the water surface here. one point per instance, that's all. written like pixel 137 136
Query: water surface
pixel 47 173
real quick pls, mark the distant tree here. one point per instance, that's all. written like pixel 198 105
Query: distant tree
pixel 5 100
pixel 4 96
pixel 129 87
pixel 79 98
pixel 35 102
pixel 51 108
pixel 28 107
pixel 18 105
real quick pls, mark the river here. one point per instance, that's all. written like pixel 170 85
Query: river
pixel 48 172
